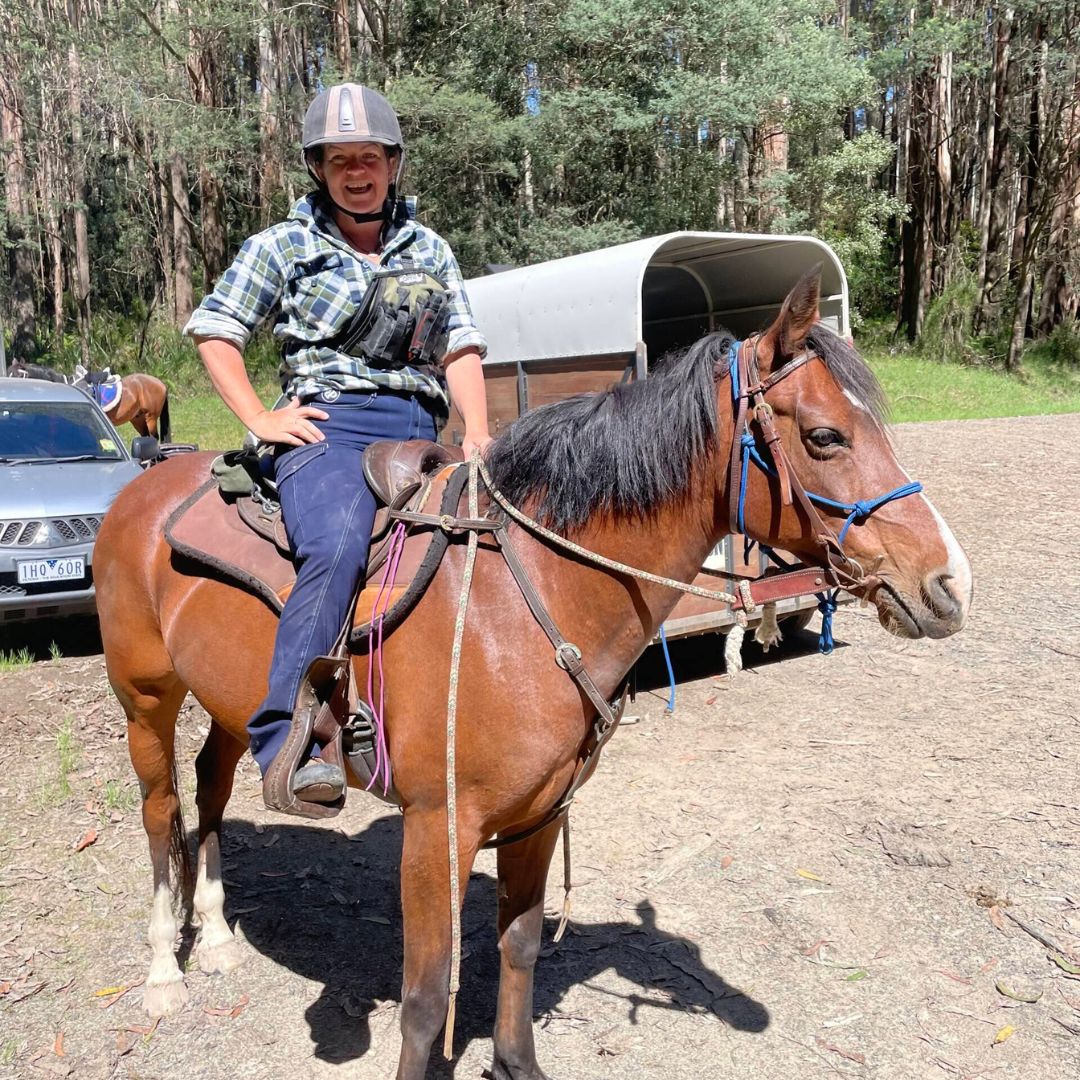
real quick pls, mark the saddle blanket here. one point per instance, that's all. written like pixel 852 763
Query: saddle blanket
pixel 242 542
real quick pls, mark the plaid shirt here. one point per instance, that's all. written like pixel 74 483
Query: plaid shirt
pixel 305 271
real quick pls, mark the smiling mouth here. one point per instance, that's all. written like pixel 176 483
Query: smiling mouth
pixel 359 190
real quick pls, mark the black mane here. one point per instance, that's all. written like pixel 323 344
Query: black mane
pixel 624 451
pixel 628 450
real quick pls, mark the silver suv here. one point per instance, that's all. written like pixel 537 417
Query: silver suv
pixel 61 465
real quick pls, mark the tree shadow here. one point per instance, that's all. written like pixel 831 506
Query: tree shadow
pixel 327 908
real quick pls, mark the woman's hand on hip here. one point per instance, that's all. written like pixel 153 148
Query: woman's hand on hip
pixel 291 425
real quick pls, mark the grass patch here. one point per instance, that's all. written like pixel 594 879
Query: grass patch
pixel 921 389
pixel 205 419
pixel 9 1051
pixel 57 788
pixel 119 796
pixel 54 651
pixel 14 660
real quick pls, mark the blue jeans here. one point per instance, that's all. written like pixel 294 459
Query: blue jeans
pixel 328 512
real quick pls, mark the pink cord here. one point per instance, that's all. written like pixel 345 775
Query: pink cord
pixel 375 652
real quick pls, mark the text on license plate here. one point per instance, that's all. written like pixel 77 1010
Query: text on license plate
pixel 31 571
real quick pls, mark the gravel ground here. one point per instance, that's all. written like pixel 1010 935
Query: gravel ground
pixel 820 868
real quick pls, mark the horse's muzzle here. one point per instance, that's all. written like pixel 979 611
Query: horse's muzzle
pixel 935 610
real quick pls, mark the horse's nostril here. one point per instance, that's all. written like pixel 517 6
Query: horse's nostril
pixel 938 593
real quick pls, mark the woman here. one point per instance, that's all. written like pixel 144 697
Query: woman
pixel 375 328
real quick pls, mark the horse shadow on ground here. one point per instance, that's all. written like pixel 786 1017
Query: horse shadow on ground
pixel 326 906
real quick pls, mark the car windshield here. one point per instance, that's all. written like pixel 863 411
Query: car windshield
pixel 43 431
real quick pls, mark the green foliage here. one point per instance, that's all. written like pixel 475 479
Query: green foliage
pixel 947 329
pixel 1062 348
pixel 834 194
pixel 560 233
pixel 126 344
pixel 927 389
pixel 534 131
pixel 16 659
pixel 120 795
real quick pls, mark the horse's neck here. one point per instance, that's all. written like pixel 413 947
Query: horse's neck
pixel 616 616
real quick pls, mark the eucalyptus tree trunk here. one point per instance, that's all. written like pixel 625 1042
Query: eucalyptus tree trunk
pixel 202 69
pixel 183 302
pixel 77 178
pixel 52 199
pixel 774 161
pixel 269 83
pixel 1057 301
pixel 993 265
pixel 20 261
pixel 990 136
pixel 343 36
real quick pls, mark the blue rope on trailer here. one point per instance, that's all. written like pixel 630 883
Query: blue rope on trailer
pixel 670 708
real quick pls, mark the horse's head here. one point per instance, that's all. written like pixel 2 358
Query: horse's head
pixel 828 412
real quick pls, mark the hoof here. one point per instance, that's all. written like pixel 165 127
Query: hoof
pixel 500 1070
pixel 219 959
pixel 165 999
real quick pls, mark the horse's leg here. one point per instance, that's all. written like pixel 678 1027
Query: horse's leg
pixel 522 869
pixel 151 710
pixel 216 950
pixel 141 421
pixel 425 908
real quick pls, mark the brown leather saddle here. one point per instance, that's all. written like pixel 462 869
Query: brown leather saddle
pixel 241 541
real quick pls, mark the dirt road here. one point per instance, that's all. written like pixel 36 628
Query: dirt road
pixel 810 871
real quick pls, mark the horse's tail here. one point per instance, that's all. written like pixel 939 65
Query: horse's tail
pixel 180 852
pixel 164 427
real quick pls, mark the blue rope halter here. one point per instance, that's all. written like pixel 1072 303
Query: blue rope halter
pixel 857 512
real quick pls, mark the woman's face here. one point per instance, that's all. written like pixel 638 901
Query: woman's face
pixel 357 175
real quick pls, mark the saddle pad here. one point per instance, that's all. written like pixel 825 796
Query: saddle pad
pixel 108 394
pixel 211 532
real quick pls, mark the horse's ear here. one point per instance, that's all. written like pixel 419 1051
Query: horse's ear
pixel 798 314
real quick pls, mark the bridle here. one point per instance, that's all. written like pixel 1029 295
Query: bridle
pixel 748 392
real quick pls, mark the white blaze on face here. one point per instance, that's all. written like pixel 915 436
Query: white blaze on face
pixel 855 401
pixel 958 566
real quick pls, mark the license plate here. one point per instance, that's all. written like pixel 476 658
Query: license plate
pixel 33 571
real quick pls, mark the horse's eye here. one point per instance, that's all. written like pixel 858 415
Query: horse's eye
pixel 824 438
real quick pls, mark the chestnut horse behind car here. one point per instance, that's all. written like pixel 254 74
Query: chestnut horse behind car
pixel 639 474
pixel 144 402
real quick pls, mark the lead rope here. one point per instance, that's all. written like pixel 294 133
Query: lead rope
pixel 567 884
pixel 451 769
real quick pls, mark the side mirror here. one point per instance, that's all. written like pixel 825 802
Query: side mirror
pixel 145 449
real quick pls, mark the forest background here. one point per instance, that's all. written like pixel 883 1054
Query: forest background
pixel 934 143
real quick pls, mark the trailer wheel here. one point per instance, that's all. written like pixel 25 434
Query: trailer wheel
pixel 791 624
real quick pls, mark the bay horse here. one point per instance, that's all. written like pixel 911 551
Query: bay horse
pixel 144 402
pixel 640 474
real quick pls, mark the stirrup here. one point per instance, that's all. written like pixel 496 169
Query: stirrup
pixel 323 693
